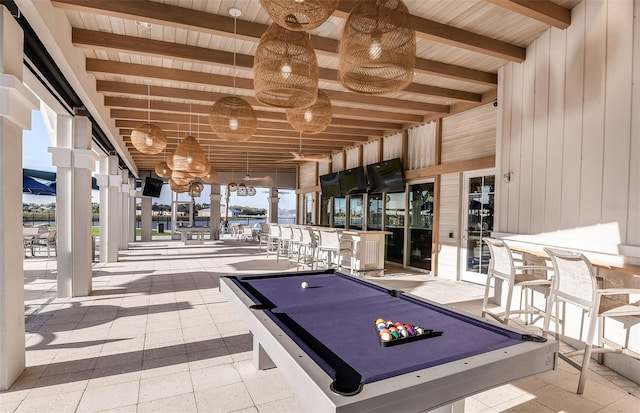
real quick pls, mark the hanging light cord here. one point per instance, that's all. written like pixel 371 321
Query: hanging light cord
pixel 148 102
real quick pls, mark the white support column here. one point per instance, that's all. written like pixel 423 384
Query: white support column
pixel 125 212
pixel 132 209
pixel 214 201
pixel 16 104
pixel 109 183
pixel 145 219
pixel 273 205
pixel 74 161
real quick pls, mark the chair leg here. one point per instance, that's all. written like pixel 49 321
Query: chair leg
pixel 485 301
pixel 585 368
pixel 507 308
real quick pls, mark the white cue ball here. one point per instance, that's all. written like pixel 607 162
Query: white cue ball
pixel 304 284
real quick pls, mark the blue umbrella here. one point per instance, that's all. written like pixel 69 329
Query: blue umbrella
pixel 31 186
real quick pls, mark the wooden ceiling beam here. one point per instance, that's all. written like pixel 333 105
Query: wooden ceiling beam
pixel 187 76
pixel 203 110
pixel 148 47
pixel 120 88
pixel 542 10
pixel 189 19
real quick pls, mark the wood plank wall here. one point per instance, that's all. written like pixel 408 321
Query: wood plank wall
pixel 569 132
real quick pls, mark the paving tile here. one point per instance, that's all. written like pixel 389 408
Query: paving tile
pixel 179 403
pixel 223 399
pixel 159 387
pixel 109 397
pixel 59 403
pixel 214 376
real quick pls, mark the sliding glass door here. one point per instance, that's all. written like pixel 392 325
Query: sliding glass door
pixel 420 216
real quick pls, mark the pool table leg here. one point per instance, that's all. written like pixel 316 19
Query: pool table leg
pixel 261 359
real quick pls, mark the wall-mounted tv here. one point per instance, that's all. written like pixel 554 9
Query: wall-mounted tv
pixel 152 187
pixel 330 185
pixel 352 181
pixel 385 176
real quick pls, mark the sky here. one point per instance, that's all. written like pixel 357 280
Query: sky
pixel 36 156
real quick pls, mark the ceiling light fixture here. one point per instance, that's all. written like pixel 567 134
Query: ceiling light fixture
pixel 285 69
pixel 147 138
pixel 377 48
pixel 313 119
pixel 231 117
pixel 300 15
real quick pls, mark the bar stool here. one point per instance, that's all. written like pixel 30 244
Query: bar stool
pixel 575 282
pixel 332 247
pixel 308 244
pixel 503 267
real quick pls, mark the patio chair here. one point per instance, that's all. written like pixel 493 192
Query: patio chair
pixel 331 249
pixel 575 282
pixel 46 240
pixel 263 237
pixel 502 266
pixel 307 253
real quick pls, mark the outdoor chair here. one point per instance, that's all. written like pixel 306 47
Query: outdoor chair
pixel 263 237
pixel 274 238
pixel 308 244
pixel 575 283
pixel 331 250
pixel 295 243
pixel 46 240
pixel 502 266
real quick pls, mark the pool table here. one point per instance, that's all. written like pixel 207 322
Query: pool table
pixel 325 341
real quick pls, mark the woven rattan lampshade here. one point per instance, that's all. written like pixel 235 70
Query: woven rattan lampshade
pixel 210 177
pixel 149 139
pixel 195 188
pixel 181 177
pixel 179 189
pixel 313 119
pixel 163 170
pixel 285 69
pixel 299 15
pixel 233 119
pixel 377 48
pixel 189 157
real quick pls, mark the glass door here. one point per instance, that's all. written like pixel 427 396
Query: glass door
pixel 374 212
pixel 478 224
pixel 394 213
pixel 339 212
pixel 355 212
pixel 420 217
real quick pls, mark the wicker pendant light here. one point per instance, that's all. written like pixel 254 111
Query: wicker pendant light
pixel 231 117
pixel 209 177
pixel 189 157
pixel 163 170
pixel 241 190
pixel 195 188
pixel 377 48
pixel 299 15
pixel 181 177
pixel 313 119
pixel 285 69
pixel 148 138
pixel 179 189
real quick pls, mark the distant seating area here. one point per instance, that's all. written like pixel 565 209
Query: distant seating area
pixel 37 239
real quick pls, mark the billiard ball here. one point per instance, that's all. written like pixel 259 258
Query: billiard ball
pixel 386 337
pixel 395 334
pixel 411 331
pixel 378 321
pixel 419 330
pixel 404 333
pixel 381 326
pixel 304 284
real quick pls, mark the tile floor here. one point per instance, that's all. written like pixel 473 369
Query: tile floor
pixel 156 335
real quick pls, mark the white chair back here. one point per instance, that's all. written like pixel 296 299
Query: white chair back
pixel 574 277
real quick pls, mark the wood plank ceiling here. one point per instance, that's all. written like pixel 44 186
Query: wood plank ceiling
pixel 183 62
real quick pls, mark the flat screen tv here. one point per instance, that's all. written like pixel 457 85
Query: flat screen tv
pixel 152 187
pixel 330 185
pixel 385 176
pixel 352 181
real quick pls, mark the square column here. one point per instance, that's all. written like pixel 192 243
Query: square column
pixel 16 104
pixel 145 218
pixel 273 205
pixel 214 216
pixel 124 205
pixel 74 161
pixel 109 183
